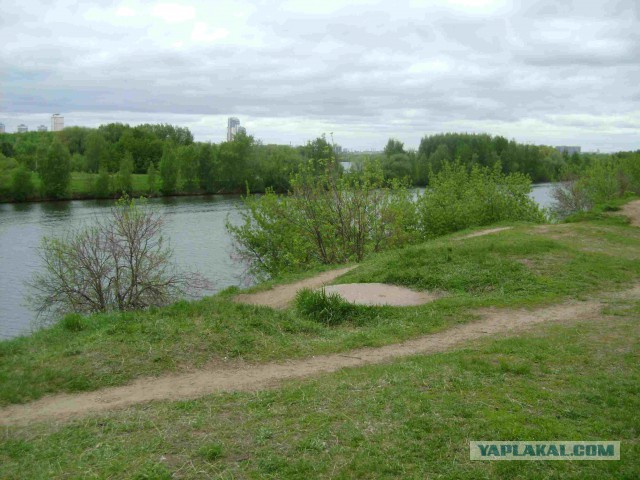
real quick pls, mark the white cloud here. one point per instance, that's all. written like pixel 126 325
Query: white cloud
pixel 202 33
pixel 124 11
pixel 174 12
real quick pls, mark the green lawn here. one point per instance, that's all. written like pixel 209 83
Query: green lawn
pixel 412 418
pixel 526 266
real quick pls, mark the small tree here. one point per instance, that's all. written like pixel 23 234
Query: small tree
pixel 152 179
pixel 55 170
pixel 189 168
pixel 169 170
pixel 121 263
pixel 97 152
pixel 102 185
pixel 21 184
pixel 125 184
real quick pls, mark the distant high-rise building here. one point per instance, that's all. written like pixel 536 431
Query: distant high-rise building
pixel 42 128
pixel 22 128
pixel 568 150
pixel 2 130
pixel 233 124
pixel 57 122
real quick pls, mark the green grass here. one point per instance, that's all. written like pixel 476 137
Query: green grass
pixel 412 418
pixel 82 184
pixel 525 266
pixel 328 308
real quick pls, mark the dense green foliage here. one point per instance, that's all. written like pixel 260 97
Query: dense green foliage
pixel 600 181
pixel 540 163
pixel 231 167
pixel 55 170
pixel 22 184
pixel 327 218
pixel 331 218
pixel 459 197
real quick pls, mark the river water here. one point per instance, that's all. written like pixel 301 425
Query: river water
pixel 195 227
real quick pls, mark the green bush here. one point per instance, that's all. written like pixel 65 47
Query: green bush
pixel 459 197
pixel 601 181
pixel 327 218
pixel 102 184
pixel 595 185
pixel 330 309
pixel 21 184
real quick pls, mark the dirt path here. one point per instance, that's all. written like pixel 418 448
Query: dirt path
pixel 488 231
pixel 632 210
pixel 281 295
pixel 493 322
pixel 381 294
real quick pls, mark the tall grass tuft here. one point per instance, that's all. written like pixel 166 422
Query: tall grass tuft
pixel 323 307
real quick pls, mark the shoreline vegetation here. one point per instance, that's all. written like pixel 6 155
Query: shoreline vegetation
pixel 574 380
pixel 164 160
pixel 525 266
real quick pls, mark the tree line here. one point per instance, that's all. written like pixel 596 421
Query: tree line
pixel 541 163
pixel 163 159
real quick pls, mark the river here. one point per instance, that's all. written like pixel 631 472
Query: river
pixel 195 227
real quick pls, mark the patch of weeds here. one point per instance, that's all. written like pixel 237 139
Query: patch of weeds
pixel 211 452
pixel 326 308
pixel 73 322
pixel 153 471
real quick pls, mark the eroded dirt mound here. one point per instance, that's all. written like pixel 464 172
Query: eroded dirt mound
pixel 281 295
pixel 381 294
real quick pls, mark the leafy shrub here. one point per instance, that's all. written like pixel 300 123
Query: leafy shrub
pixel 570 197
pixel 22 184
pixel 601 181
pixel 330 309
pixel 327 218
pixel 596 184
pixel 459 198
pixel 120 263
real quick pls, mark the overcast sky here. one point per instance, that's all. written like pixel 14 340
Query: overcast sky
pixel 556 72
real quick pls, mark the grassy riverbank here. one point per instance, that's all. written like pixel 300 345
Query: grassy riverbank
pixel 409 419
pixel 528 265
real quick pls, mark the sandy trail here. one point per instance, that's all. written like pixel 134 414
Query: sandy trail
pixel 482 233
pixel 381 294
pixel 632 210
pixel 260 376
pixel 281 295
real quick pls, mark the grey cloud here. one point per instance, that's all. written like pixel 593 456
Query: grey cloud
pixel 394 69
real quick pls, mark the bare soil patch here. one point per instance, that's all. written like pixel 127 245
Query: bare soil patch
pixel 381 294
pixel 493 322
pixel 281 295
pixel 488 231
pixel 632 210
